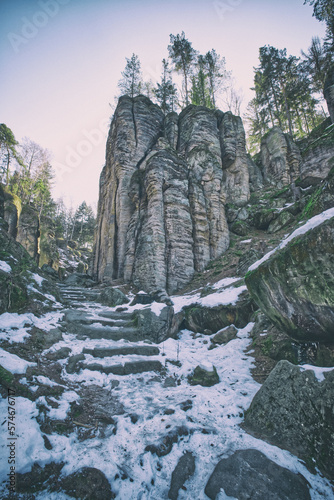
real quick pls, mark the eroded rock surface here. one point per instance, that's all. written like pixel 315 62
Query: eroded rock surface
pixel 163 191
pixel 294 410
pixel 250 474
pixel 280 158
pixel 295 287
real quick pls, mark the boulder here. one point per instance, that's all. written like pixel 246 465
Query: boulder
pixel 87 482
pixel 157 328
pixel 295 286
pixel 284 219
pixel 79 279
pixel 294 410
pixel 225 335
pixel 280 158
pixel 262 218
pixel 112 297
pixel 204 377
pixel 249 474
pixel 246 260
pixel 185 468
pixel 199 318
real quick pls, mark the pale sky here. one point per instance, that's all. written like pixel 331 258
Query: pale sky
pixel 61 61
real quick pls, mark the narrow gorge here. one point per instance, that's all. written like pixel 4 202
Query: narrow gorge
pixel 191 355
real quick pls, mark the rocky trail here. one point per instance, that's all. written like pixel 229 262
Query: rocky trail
pixel 103 412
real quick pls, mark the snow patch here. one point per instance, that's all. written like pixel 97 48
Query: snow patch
pixel 36 277
pixel 318 371
pixel 310 224
pixel 5 267
pixel 157 307
pixel 13 363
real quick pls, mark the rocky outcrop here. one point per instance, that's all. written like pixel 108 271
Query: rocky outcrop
pixel 280 158
pixel 255 176
pixel 234 159
pixel 318 153
pixel 161 213
pixel 28 231
pixel 208 320
pixel 49 252
pixel 294 410
pixel 12 211
pixel 249 474
pixel 2 202
pixel 329 92
pixel 295 286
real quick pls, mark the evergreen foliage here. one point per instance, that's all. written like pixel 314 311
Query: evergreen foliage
pixel 8 151
pixel 165 91
pixel 131 83
pixel 183 57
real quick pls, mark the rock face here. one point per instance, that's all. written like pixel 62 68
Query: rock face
pixel 249 474
pixel 280 158
pixel 161 214
pixel 28 231
pixel 48 249
pixel 329 92
pixel 12 211
pixel 295 287
pixel 294 410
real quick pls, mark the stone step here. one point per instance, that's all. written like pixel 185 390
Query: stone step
pixel 129 368
pixel 108 333
pixel 115 315
pixel 141 350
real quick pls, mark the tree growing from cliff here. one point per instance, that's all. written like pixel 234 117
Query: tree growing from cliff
pixel 131 83
pixel 283 92
pixel 215 68
pixel 200 90
pixel 316 64
pixel 183 57
pixel 165 91
pixel 8 151
pixel 323 10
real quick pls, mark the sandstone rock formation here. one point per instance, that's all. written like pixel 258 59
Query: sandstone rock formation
pixel 295 287
pixel 12 211
pixel 163 189
pixel 329 92
pixel 280 158
pixel 294 410
pixel 28 231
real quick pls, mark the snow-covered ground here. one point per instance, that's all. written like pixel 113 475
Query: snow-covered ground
pixel 211 415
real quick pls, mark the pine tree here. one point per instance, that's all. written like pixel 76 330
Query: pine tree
pixel 323 10
pixel 8 151
pixel 200 91
pixel 215 68
pixel 165 91
pixel 316 64
pixel 84 225
pixel 131 83
pixel 183 56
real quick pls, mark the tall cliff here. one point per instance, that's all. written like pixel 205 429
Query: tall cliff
pixel 161 213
